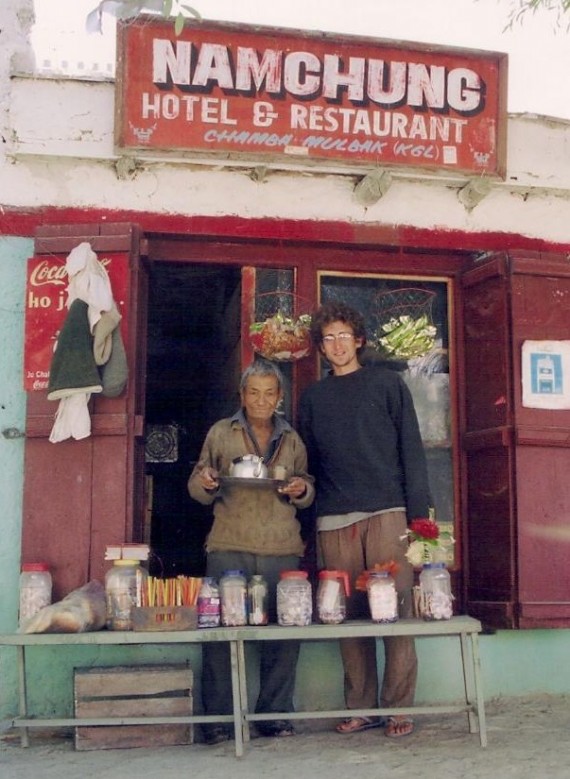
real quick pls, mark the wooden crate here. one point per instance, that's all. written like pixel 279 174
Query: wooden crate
pixel 133 691
pixel 164 618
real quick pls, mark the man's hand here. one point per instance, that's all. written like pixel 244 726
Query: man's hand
pixel 296 487
pixel 208 478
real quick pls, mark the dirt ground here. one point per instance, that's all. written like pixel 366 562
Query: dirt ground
pixel 528 738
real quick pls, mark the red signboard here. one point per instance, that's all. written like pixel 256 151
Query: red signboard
pixel 248 92
pixel 45 312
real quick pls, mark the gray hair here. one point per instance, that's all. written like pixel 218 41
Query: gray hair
pixel 261 368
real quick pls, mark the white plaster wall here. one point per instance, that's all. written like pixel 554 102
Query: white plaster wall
pixel 60 152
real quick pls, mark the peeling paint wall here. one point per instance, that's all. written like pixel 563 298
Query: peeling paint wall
pixel 50 160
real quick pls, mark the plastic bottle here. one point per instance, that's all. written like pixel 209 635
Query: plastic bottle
pixel 233 596
pixel 294 599
pixel 331 596
pixel 35 589
pixel 382 597
pixel 209 603
pixel 257 597
pixel 124 585
pixel 436 599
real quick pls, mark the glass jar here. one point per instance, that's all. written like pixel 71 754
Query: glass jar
pixel 257 600
pixel 124 586
pixel 35 589
pixel 294 598
pixel 208 604
pixel 382 597
pixel 233 597
pixel 331 596
pixel 436 599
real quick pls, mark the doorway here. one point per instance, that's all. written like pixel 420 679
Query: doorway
pixel 192 375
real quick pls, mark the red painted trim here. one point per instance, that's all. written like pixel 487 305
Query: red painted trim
pixel 247 305
pixel 24 223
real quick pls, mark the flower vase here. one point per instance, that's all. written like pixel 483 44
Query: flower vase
pixel 436 599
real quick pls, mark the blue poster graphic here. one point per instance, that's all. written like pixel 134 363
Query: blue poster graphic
pixel 546 373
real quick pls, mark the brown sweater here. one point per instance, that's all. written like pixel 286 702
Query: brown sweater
pixel 251 519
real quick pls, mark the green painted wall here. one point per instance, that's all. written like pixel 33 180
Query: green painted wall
pixel 514 662
pixel 13 255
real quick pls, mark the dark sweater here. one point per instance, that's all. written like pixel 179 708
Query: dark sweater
pixel 364 444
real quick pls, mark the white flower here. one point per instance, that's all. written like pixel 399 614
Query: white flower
pixel 418 553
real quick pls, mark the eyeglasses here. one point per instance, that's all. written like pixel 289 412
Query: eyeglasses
pixel 342 337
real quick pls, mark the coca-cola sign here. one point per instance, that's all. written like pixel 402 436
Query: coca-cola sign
pixel 244 91
pixel 46 309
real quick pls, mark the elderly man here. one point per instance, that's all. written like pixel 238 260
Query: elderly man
pixel 256 531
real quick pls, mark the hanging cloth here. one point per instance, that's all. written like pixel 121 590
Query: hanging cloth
pixel 74 372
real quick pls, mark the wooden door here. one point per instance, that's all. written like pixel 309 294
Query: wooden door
pixel 488 457
pixel 540 294
pixel 81 495
pixel 516 457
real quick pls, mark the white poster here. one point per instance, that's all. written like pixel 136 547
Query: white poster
pixel 546 374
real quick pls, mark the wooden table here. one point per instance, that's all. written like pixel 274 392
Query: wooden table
pixel 465 629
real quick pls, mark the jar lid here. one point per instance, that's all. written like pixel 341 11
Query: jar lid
pixel 294 575
pixel 233 573
pixel 35 567
pixel 434 565
pixel 126 562
pixel 328 574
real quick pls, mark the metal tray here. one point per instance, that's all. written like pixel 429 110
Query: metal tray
pixel 242 481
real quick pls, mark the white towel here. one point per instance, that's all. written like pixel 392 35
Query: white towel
pixel 72 418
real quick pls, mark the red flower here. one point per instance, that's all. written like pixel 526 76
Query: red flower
pixel 424 530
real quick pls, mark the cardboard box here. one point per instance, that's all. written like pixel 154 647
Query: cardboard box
pixel 133 691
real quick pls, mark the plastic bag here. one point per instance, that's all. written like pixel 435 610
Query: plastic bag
pixel 81 611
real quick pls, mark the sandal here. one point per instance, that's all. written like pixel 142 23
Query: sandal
pixel 356 724
pixel 398 727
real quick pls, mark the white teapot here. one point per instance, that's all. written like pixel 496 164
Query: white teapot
pixel 250 466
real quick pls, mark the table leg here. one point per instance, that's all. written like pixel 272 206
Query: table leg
pixel 479 689
pixel 24 740
pixel 467 682
pixel 236 697
pixel 473 688
pixel 243 690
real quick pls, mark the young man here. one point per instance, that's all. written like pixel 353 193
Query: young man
pixel 255 531
pixel 366 453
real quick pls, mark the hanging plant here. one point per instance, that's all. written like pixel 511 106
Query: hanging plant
pixel 282 338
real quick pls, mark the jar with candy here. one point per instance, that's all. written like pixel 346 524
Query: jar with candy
pixel 294 598
pixel 257 597
pixel 233 597
pixel 331 596
pixel 35 589
pixel 436 600
pixel 124 584
pixel 382 597
pixel 208 604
